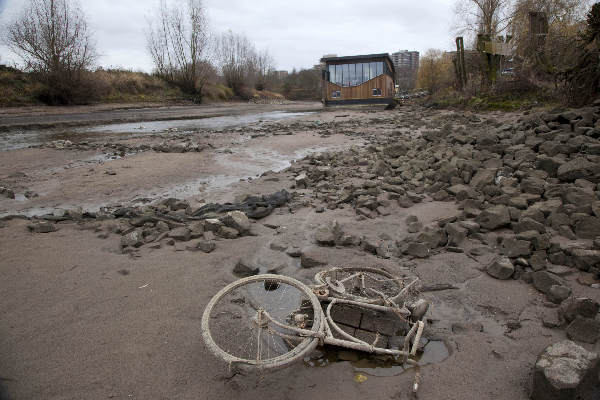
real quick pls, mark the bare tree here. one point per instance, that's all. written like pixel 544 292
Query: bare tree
pixel 264 67
pixel 490 17
pixel 179 43
pixel 237 60
pixel 435 71
pixel 52 38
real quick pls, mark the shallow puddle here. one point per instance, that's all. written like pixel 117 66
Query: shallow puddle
pixel 434 351
pixel 23 138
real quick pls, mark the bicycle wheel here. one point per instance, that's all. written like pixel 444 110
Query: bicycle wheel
pixel 235 329
pixel 363 284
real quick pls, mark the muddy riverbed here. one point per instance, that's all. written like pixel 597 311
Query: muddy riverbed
pixel 89 313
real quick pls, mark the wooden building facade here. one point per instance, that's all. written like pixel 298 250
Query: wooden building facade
pixel 367 79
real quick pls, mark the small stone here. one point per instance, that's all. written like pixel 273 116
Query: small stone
pixel 312 257
pixel 419 250
pixel 551 318
pixel 237 220
pixel 501 268
pixel 6 192
pixel 133 239
pixel 181 234
pixel 494 217
pixel 42 227
pixel 585 330
pixel 228 233
pixel 205 246
pixel 325 236
pixel 512 247
pixel 243 270
pixel 543 280
pixel 558 293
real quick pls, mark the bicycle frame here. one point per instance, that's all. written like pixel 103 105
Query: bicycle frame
pixel 326 336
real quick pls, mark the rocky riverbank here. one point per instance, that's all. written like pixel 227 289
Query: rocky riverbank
pixel 497 214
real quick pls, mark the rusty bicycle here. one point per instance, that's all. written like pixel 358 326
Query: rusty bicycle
pixel 267 321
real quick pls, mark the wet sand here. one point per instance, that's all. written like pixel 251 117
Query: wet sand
pixel 79 319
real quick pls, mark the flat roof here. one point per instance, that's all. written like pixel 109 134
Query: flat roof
pixel 360 57
pixel 349 58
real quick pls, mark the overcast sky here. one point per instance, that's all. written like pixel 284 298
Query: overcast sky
pixel 296 33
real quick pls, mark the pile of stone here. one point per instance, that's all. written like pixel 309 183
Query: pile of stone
pixel 530 190
pixel 172 221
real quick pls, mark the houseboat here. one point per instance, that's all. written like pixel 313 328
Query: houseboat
pixel 366 79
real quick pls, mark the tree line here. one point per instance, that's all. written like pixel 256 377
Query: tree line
pixel 554 47
pixel 56 45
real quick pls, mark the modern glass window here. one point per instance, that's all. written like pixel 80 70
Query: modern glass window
pixel 336 93
pixel 338 75
pixel 356 73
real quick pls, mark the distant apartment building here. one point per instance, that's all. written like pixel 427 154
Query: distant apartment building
pixel 281 75
pixel 406 64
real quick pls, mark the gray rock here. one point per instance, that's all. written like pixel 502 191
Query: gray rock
pixel 582 306
pixel 558 293
pixel 6 192
pixel 565 371
pixel 528 224
pixel 244 269
pixel 237 220
pixel 538 260
pixel 588 228
pixel 228 233
pixel 513 247
pixel 585 259
pixel 205 246
pixel 551 318
pixel 501 268
pixel 494 217
pixel 312 257
pixel 301 181
pixel 456 233
pixel 182 234
pixel 325 235
pixel 416 249
pixel 543 281
pixel 579 168
pixel 42 227
pixel 133 239
pixel 213 225
pixel 585 330
pixel 483 177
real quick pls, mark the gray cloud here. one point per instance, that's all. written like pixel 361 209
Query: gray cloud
pixel 296 33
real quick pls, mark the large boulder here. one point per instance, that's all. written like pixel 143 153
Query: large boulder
pixel 494 217
pixel 566 371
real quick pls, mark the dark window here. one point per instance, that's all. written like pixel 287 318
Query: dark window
pixel 376 92
pixel 331 77
pixel 336 93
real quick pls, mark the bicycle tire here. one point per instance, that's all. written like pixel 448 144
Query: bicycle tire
pixel 395 284
pixel 306 344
